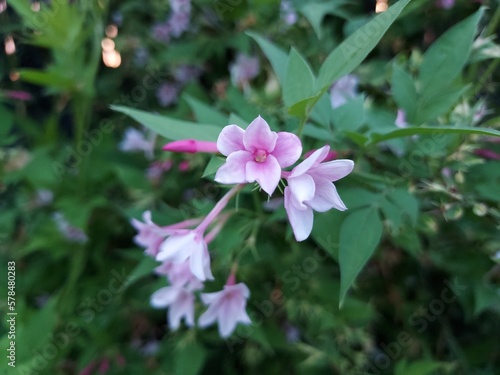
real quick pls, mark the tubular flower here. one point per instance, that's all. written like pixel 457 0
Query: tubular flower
pixel 310 188
pixel 226 307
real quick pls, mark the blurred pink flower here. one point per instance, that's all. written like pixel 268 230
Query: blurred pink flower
pixel 445 4
pixel 167 94
pixel 161 32
pixel 256 154
pixel 401 119
pixel 184 245
pixel 226 307
pixel 157 169
pixel 150 236
pixel 136 140
pixel 487 154
pixel 188 244
pixel 310 188
pixel 191 146
pixel 288 13
pixel 18 95
pixel 243 69
pixel 177 273
pixel 184 166
pixel 180 302
pixel 186 73
pixel 343 90
pixel 69 231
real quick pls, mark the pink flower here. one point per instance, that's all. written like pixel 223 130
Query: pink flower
pixel 150 235
pixel 227 307
pixel 184 245
pixel 445 4
pixel 310 188
pixel 343 90
pixel 244 69
pixel 177 273
pixel 179 300
pixel 190 245
pixel 191 146
pixel 401 119
pixel 135 140
pixel 256 154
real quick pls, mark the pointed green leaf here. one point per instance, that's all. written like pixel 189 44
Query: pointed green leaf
pixel 213 165
pixel 348 55
pixel 299 79
pixel 276 56
pixel 437 131
pixel 360 234
pixel 205 113
pixel 171 128
pixel 349 116
pixel 404 92
pixel 446 57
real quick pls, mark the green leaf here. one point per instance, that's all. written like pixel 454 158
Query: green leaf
pixel 234 119
pixel 406 202
pixel 348 55
pixel 315 12
pixel 144 268
pixel 276 56
pixel 349 116
pixel 432 105
pixel 46 78
pixel 213 165
pixel 171 128
pixel 436 131
pixel 35 327
pixel 404 92
pixel 189 358
pixel 205 113
pixel 360 234
pixel 446 57
pixel 326 231
pixel 299 79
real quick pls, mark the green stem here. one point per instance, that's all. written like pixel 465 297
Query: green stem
pixel 493 23
pixel 481 82
pixel 301 125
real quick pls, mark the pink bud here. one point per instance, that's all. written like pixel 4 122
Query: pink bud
pixel 184 166
pixel 18 95
pixel 487 154
pixel 191 146
pixel 104 366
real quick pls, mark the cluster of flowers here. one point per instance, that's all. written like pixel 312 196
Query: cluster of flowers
pixel 176 24
pixel 256 154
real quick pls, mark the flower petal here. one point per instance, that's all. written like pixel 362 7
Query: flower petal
pixel 230 140
pixel 300 220
pixel 288 149
pixel 302 188
pixel 326 197
pixel 208 317
pixel 176 248
pixel 233 170
pixel 267 173
pixel 316 157
pixel 258 136
pixel 198 261
pixel 333 170
pixel 164 296
pixel 228 316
